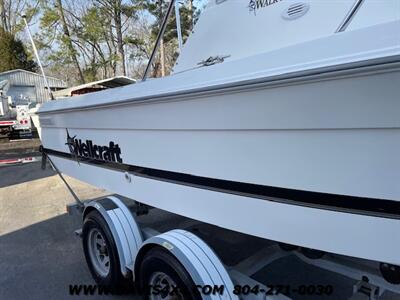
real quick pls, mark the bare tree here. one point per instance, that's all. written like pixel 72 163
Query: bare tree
pixel 108 37
pixel 3 19
pixel 119 13
pixel 118 28
pixel 68 40
pixel 191 13
pixel 11 12
pixel 162 47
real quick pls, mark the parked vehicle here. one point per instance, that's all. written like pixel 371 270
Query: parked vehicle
pixel 15 120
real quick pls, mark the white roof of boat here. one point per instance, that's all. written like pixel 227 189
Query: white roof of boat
pixel 112 82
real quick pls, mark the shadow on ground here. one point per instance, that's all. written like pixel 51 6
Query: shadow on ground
pixel 17 174
pixel 42 260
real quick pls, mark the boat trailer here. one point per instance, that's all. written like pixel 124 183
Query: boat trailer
pixel 112 236
pixel 134 245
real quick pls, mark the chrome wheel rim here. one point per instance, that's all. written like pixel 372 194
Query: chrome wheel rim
pixel 98 252
pixel 168 286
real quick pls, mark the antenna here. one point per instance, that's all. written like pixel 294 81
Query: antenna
pixel 37 57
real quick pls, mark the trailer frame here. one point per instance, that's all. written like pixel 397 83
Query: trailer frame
pixel 121 213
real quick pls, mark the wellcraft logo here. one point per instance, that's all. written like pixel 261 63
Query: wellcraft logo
pixel 88 149
pixel 254 5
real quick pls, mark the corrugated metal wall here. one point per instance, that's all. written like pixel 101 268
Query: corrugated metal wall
pixel 20 79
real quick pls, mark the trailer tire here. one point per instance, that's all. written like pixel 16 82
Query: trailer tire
pixel 161 268
pixel 99 247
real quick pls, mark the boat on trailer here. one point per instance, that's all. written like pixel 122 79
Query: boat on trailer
pixel 280 120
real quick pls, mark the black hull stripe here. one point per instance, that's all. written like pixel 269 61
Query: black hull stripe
pixel 350 204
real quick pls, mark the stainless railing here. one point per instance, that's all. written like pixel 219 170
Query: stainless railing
pixel 346 21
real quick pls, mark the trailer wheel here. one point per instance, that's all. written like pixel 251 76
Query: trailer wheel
pixel 101 253
pixel 390 273
pixel 166 277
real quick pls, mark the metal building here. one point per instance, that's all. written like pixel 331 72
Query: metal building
pixel 30 86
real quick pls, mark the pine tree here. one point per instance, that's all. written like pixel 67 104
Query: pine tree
pixel 13 54
pixel 188 15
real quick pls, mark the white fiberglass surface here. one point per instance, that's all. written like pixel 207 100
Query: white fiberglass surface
pixel 373 12
pixel 233 28
pixel 330 231
pixel 349 162
pixel 252 27
pixel 337 136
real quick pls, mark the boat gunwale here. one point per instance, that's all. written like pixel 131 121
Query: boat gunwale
pixel 361 68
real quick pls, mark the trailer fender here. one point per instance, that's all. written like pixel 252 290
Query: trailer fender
pixel 198 259
pixel 123 226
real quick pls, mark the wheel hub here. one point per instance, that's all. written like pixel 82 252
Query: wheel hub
pixel 167 285
pixel 98 252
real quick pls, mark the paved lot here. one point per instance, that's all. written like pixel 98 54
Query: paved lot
pixel 40 256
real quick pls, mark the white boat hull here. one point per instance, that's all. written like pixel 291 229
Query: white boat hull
pixel 337 134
